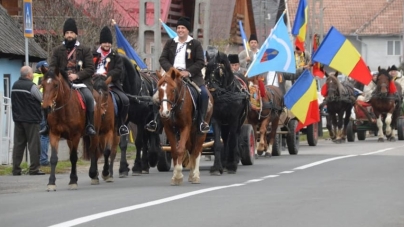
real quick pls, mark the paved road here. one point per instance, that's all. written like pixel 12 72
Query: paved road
pixel 351 184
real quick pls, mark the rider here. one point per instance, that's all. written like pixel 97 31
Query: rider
pixel 77 61
pixel 397 76
pixel 185 53
pixel 107 62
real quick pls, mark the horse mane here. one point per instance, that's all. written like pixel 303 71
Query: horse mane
pixel 334 78
pixel 219 58
pixel 54 73
pixel 99 83
pixel 131 82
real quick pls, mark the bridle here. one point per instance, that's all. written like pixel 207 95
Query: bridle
pixel 179 97
pixel 53 106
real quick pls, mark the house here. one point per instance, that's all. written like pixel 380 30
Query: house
pixel 12 58
pixel 375 28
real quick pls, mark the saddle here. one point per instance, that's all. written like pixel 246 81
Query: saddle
pixel 195 92
pixel 80 95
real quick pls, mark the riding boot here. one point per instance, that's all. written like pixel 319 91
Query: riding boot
pixel 153 124
pixel 45 129
pixel 90 130
pixel 123 129
pixel 203 107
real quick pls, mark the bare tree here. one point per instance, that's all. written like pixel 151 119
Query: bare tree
pixel 90 16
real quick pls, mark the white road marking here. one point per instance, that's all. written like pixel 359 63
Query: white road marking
pixel 323 161
pixel 380 151
pixel 286 172
pixel 89 218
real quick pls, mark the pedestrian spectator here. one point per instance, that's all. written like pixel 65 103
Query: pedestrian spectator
pixel 26 108
pixel 246 60
pixel 38 76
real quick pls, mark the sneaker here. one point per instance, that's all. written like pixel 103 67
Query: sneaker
pixel 204 128
pixel 123 130
pixel 151 126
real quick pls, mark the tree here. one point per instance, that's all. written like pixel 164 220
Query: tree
pixel 90 16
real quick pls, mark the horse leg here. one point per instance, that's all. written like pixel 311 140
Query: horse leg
pixel 181 149
pixel 145 155
pixel 73 144
pixel 329 127
pixel 93 171
pixel 115 142
pixel 334 126
pixel 137 166
pixel 389 131
pixel 217 168
pixel 177 172
pixel 262 144
pixel 232 151
pixel 272 134
pixel 54 143
pixel 379 123
pixel 194 174
pixel 339 125
pixel 123 164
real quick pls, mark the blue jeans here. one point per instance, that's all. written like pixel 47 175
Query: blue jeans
pixel 43 158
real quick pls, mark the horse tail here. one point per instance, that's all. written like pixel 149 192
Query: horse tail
pixel 86 147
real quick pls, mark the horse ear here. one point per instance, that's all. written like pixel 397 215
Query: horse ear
pixel 336 74
pixel 378 68
pixel 159 74
pixel 326 74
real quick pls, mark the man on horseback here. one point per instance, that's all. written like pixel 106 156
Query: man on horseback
pixel 108 63
pixel 186 54
pixel 77 61
pixel 397 76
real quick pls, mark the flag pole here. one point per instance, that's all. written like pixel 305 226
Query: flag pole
pixel 288 18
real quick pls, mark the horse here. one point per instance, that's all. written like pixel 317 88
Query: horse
pixel 340 100
pixel 386 104
pixel 107 137
pixel 139 88
pixel 66 119
pixel 270 111
pixel 180 125
pixel 230 94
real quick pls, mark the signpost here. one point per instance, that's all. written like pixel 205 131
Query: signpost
pixel 28 26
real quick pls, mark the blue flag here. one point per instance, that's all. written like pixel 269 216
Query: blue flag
pixel 243 36
pixel 169 30
pixel 125 48
pixel 276 54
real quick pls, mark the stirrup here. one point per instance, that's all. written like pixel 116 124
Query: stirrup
pixel 90 130
pixel 151 126
pixel 204 127
pixel 123 130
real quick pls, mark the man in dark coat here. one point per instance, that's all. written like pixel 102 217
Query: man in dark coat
pixel 26 107
pixel 235 65
pixel 186 54
pixel 107 62
pixel 77 61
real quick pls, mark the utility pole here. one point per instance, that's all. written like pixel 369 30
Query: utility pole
pixel 316 22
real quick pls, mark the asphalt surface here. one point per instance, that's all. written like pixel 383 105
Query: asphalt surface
pixel 349 184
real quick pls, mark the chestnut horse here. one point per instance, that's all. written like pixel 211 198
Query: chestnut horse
pixel 231 104
pixel 386 104
pixel 107 139
pixel 340 100
pixel 180 125
pixel 272 104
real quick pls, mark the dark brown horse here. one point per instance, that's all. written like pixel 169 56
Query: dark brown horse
pixel 266 117
pixel 106 141
pixel 340 100
pixel 386 104
pixel 177 116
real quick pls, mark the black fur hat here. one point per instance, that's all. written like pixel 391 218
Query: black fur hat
pixel 253 37
pixel 233 58
pixel 393 67
pixel 185 21
pixel 70 25
pixel 105 35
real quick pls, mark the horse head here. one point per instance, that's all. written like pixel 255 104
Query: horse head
pixel 383 82
pixel 333 85
pixel 218 72
pixel 100 84
pixel 170 88
pixel 53 84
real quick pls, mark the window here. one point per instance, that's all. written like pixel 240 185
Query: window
pixel 394 47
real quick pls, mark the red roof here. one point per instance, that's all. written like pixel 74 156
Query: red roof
pixel 129 11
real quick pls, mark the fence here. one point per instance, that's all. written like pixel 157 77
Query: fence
pixel 7 127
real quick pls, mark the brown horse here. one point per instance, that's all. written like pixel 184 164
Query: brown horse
pixel 272 104
pixel 106 141
pixel 386 106
pixel 340 100
pixel 177 116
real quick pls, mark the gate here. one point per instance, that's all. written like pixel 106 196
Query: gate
pixel 6 126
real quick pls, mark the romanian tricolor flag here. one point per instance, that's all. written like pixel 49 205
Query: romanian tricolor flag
pixel 316 66
pixel 300 24
pixel 302 101
pixel 337 52
pixel 243 37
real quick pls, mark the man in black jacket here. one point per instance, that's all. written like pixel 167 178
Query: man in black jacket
pixel 77 61
pixel 26 107
pixel 186 54
pixel 107 62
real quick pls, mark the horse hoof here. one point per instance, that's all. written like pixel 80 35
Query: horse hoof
pixel 123 175
pixel 231 172
pixel 224 170
pixel 145 171
pixel 105 178
pixel 95 181
pixel 380 140
pixel 51 188
pixel 196 180
pixel 392 139
pixel 215 173
pixel 109 180
pixel 268 154
pixel 72 186
pixel 176 182
pixel 136 173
